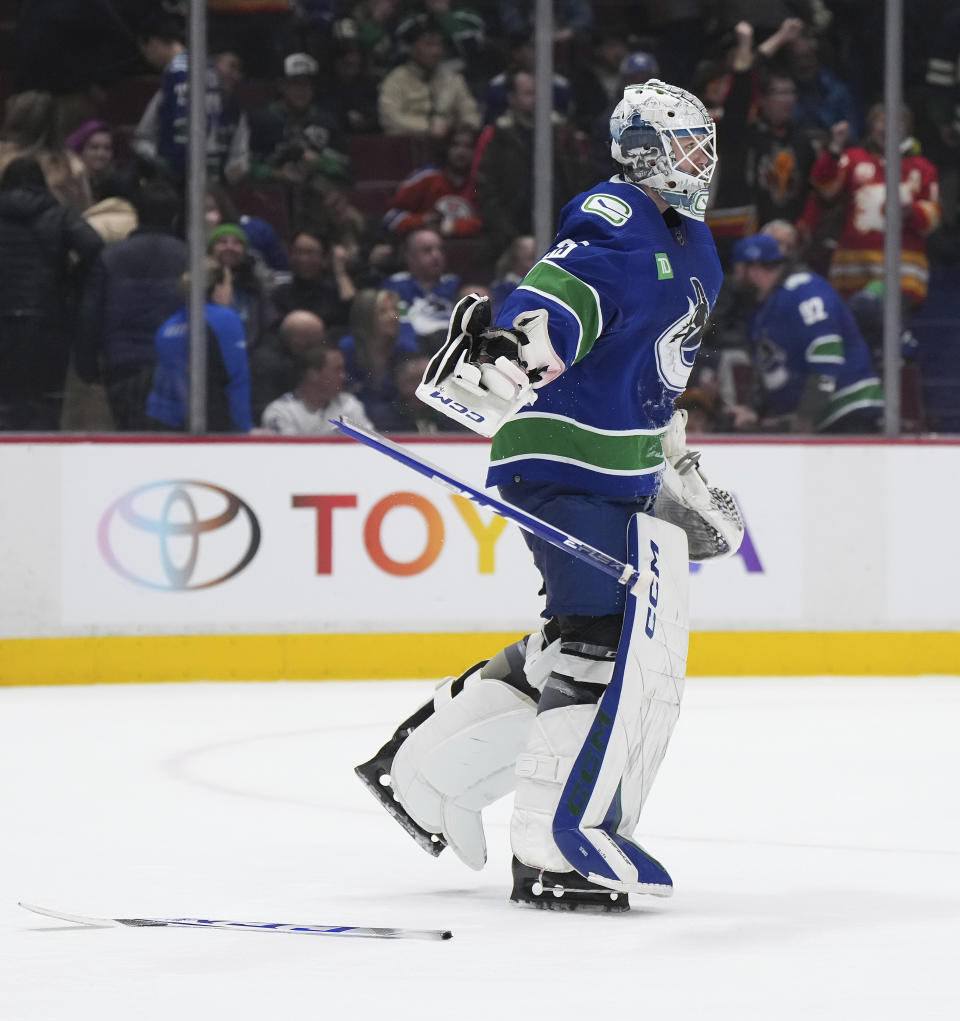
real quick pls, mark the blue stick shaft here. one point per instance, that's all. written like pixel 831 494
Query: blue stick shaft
pixel 625 574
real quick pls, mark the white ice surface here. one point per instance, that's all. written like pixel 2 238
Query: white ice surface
pixel 811 827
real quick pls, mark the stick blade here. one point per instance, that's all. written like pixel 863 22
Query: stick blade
pixel 94 923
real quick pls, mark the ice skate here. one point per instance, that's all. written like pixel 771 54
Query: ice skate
pixel 375 776
pixel 562 891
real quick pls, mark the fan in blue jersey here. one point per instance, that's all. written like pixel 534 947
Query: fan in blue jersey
pixel 228 373
pixel 161 135
pixel 576 382
pixel 426 294
pixel 814 365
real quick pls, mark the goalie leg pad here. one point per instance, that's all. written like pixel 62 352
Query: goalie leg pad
pixel 567 709
pixel 461 758
pixel 459 761
pixel 615 768
pixel 589 765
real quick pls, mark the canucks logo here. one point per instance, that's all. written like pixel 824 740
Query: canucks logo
pixel 614 210
pixel 676 348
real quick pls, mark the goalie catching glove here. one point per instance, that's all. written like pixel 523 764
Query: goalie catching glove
pixel 482 376
pixel 708 515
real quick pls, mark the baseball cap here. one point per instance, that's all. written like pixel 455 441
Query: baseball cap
pixel 757 248
pixel 417 26
pixel 225 229
pixel 298 64
pixel 82 135
pixel 639 65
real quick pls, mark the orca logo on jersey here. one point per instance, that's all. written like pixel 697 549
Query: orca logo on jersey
pixel 676 348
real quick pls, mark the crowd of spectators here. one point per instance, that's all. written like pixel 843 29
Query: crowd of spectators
pixel 370 161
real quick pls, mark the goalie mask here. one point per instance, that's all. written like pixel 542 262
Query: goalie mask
pixel 664 138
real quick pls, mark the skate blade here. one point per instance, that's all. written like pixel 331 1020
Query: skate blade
pixel 558 897
pixel 432 843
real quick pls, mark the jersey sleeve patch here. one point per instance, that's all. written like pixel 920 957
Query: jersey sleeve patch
pixel 611 208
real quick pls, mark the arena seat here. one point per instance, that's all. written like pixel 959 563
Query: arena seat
pixel 125 100
pixel 469 259
pixel 255 93
pixel 385 157
pixel 268 202
pixel 372 198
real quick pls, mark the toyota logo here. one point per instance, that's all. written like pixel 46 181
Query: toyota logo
pixel 179 535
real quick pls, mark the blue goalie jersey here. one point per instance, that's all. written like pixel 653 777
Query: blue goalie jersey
pixel 628 296
pixel 805 327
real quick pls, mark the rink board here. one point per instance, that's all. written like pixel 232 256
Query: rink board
pixel 170 560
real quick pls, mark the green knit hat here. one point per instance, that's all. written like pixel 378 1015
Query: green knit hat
pixel 226 229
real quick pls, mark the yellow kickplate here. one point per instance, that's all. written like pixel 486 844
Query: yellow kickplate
pixel 140 659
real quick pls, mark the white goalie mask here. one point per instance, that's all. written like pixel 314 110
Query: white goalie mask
pixel 664 138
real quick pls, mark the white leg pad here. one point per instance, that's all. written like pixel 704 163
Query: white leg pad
pixel 613 773
pixel 587 769
pixel 555 738
pixel 462 759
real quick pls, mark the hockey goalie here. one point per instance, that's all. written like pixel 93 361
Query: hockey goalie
pixel 575 382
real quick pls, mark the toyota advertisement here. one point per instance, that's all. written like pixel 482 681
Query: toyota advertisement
pixel 303 538
pixel 295 537
pixel 247 538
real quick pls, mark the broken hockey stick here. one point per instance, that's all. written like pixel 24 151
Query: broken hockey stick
pixel 625 574
pixel 207 923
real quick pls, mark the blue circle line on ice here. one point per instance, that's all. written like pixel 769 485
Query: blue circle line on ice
pixel 178 578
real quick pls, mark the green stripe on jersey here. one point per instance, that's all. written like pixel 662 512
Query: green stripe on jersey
pixel 828 348
pixel 562 439
pixel 868 393
pixel 579 298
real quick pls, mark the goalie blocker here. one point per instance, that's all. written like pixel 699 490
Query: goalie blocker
pixel 481 377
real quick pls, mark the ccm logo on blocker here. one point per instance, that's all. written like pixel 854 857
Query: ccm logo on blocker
pixel 460 409
pixel 324 506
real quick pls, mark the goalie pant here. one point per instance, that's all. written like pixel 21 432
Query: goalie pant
pixel 576 726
